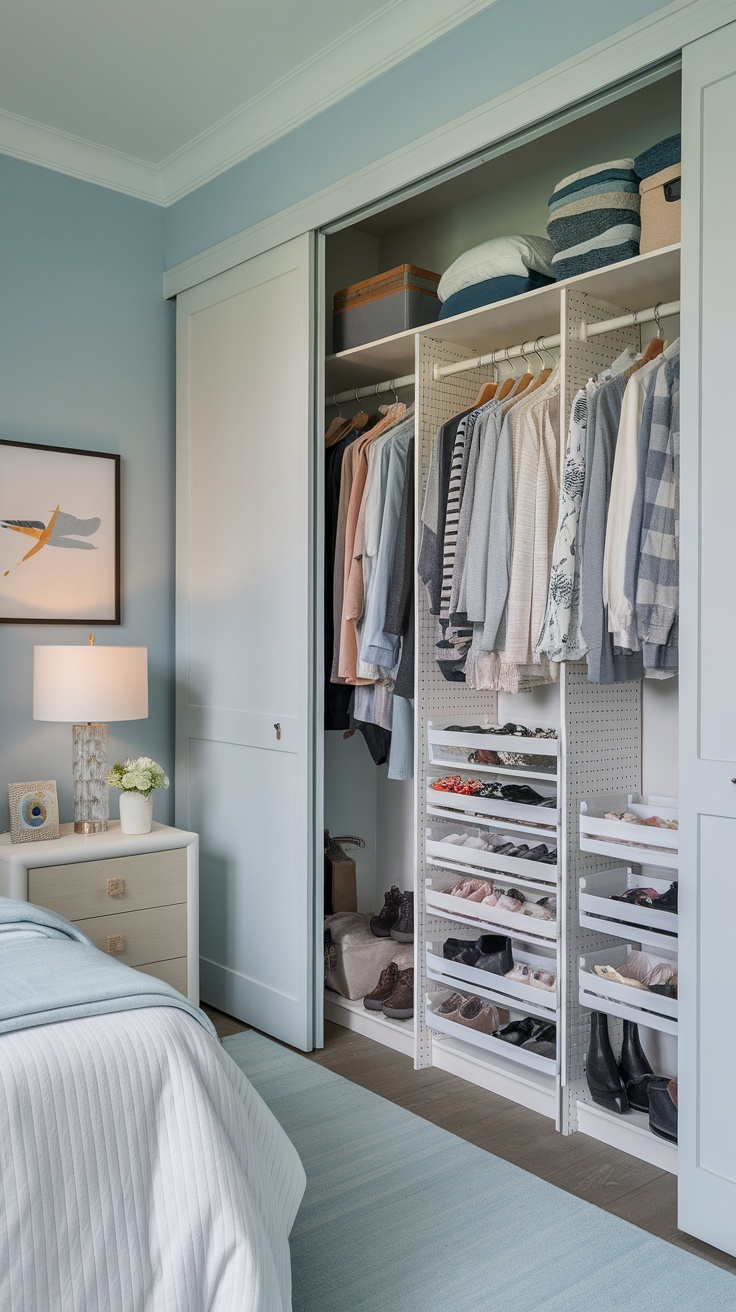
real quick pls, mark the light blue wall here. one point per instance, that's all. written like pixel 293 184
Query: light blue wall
pixel 87 360
pixel 500 48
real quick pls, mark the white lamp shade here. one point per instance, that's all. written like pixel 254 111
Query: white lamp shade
pixel 90 685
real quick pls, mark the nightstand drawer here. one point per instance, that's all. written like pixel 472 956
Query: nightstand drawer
pixel 171 972
pixel 105 888
pixel 137 937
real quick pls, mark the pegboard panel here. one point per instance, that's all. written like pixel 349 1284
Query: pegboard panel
pixel 436 402
pixel 601 727
pixel 581 360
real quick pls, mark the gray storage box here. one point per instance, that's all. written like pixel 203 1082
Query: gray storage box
pixel 389 303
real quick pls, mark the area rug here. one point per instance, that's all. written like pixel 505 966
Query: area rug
pixel 401 1216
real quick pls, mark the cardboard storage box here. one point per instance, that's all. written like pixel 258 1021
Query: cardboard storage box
pixel 660 209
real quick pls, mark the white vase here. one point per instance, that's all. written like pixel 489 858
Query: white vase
pixel 136 813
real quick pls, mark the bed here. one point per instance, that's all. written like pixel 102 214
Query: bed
pixel 140 1171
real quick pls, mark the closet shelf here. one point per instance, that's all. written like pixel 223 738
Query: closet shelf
pixel 397 1034
pixel 630 842
pixel 454 855
pixel 528 928
pixel 519 814
pixel 621 919
pixel 463 1034
pixel 649 1009
pixel 472 818
pixel 509 993
pixel 628 1132
pixel 633 284
pixel 440 736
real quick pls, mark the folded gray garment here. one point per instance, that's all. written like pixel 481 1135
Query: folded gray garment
pixel 660 156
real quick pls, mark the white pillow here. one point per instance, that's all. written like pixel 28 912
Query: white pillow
pixel 495 259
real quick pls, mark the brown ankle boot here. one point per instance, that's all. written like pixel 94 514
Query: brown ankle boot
pixel 384 988
pixel 400 1006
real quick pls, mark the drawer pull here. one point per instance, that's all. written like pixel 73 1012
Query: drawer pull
pixel 115 887
pixel 115 943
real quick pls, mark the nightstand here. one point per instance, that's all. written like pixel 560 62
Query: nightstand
pixel 135 895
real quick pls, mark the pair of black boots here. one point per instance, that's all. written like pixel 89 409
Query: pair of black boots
pixel 630 1082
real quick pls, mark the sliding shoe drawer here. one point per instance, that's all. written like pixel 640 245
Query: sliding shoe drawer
pixel 508 1051
pixel 440 900
pixel 507 992
pixel 137 937
pixel 105 888
pixel 533 819
pixel 626 1001
pixel 449 742
pixel 446 847
pixel 622 919
pixel 641 844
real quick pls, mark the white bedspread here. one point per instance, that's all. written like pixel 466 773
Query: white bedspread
pixel 141 1172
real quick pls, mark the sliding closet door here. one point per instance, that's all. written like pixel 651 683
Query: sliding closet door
pixel 244 606
pixel 707 920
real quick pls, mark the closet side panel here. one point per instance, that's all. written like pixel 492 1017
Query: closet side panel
pixel 244 582
pixel 707 1144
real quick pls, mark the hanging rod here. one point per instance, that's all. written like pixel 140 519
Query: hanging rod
pixel 586 330
pixel 662 310
pixel 375 389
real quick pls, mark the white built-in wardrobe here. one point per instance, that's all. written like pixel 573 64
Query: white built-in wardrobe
pixel 256 775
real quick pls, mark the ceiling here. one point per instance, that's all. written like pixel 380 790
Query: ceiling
pixel 154 97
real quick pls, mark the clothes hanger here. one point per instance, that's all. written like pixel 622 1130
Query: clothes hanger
pixel 526 378
pixel 653 349
pixel 487 391
pixel 507 383
pixel 340 427
pixel 545 372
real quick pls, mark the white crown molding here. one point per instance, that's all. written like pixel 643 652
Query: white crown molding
pixel 37 144
pixel 647 42
pixel 394 33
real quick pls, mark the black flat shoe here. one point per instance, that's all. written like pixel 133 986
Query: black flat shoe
pixel 494 954
pixel 517 1032
pixel 522 794
pixel 667 901
pixel 604 1081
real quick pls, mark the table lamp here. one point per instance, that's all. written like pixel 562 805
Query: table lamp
pixel 89 686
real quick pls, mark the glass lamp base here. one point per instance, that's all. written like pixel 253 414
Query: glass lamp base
pixel 91 804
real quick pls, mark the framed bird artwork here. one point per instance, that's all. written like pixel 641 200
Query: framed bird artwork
pixel 59 535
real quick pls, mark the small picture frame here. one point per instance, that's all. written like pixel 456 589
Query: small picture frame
pixel 34 811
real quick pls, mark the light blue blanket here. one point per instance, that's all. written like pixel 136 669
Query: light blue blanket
pixel 50 971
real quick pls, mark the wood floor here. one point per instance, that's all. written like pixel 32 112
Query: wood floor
pixel 641 1194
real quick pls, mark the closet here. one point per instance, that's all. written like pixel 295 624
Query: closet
pixel 258 777
pixel 618 739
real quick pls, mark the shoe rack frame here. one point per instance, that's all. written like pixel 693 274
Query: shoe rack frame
pixel 600 737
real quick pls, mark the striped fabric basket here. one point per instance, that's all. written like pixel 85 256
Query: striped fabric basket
pixel 594 218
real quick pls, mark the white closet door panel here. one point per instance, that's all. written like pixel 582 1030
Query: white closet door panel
pixel 244 592
pixel 707 1058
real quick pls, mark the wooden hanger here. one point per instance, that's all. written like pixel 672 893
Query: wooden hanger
pixel 486 393
pixel 339 428
pixel 654 349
